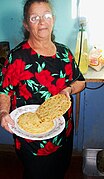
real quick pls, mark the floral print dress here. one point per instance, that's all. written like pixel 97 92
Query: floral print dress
pixel 30 78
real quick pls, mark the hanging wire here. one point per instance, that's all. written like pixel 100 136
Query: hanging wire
pixel 80 45
pixel 95 87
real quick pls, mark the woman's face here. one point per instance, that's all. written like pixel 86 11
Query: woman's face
pixel 40 21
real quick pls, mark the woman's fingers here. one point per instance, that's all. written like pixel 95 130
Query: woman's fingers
pixel 66 92
pixel 6 127
pixel 5 120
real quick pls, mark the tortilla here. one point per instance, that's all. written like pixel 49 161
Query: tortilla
pixel 53 108
pixel 31 123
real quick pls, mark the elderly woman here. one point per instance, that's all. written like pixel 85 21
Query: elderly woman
pixel 35 70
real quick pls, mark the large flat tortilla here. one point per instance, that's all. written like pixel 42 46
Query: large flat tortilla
pixel 53 108
pixel 41 120
pixel 31 123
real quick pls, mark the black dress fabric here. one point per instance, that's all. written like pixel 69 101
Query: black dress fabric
pixel 30 78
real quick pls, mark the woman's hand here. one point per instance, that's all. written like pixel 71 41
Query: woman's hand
pixel 5 119
pixel 67 91
pixel 74 88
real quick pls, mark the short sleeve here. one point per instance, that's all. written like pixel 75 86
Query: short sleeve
pixel 9 75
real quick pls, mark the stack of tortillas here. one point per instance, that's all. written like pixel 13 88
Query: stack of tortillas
pixel 42 119
pixel 31 123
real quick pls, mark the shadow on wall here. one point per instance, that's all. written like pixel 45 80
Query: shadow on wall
pixel 11 26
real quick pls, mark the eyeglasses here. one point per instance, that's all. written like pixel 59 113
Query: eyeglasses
pixel 35 19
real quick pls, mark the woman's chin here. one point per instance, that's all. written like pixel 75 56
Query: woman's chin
pixel 43 34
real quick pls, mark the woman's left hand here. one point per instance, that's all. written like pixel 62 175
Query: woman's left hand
pixel 66 91
pixel 76 87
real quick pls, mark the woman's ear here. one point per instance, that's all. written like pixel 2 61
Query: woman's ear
pixel 25 25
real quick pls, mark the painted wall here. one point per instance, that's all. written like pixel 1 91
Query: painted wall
pixel 65 27
pixel 11 21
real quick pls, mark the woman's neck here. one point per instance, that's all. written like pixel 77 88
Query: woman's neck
pixel 43 47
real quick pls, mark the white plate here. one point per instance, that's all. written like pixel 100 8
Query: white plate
pixel 59 124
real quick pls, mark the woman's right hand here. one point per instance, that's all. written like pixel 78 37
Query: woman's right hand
pixel 5 119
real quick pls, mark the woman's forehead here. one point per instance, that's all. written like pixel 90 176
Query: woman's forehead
pixel 40 7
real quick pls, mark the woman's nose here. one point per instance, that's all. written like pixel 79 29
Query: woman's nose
pixel 41 20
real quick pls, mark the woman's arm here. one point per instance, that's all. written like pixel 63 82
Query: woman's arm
pixel 4 103
pixel 74 88
pixel 4 112
pixel 77 87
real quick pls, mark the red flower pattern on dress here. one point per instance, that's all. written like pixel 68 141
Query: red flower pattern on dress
pixel 68 67
pixel 18 144
pixel 69 128
pixel 24 92
pixel 11 93
pixel 49 148
pixel 55 89
pixel 68 70
pixel 54 56
pixel 28 140
pixel 14 74
pixel 70 57
pixel 33 52
pixel 69 111
pixel 25 46
pixel 60 84
pixel 44 77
